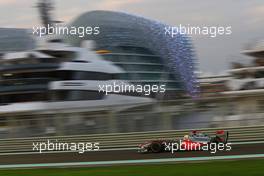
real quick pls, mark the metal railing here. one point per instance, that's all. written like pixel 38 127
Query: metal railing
pixel 129 140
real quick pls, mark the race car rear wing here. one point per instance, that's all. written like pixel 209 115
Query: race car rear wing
pixel 222 136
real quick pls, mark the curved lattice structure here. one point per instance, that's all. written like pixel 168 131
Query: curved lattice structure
pixel 122 29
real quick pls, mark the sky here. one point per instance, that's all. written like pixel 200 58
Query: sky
pixel 246 17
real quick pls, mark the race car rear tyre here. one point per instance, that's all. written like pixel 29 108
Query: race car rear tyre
pixel 155 147
pixel 222 138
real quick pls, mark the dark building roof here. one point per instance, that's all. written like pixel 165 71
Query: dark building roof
pixel 12 39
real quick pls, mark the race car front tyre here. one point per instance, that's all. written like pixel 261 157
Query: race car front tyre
pixel 155 147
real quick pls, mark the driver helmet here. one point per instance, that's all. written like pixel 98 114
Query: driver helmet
pixel 186 137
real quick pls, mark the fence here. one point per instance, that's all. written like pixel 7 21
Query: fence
pixel 127 140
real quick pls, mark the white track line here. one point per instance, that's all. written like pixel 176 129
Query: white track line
pixel 143 161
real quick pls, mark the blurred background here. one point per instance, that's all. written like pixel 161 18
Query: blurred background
pixel 49 85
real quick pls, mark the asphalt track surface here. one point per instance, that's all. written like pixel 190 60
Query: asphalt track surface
pixel 69 157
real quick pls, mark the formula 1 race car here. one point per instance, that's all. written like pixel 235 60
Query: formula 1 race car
pixel 194 141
